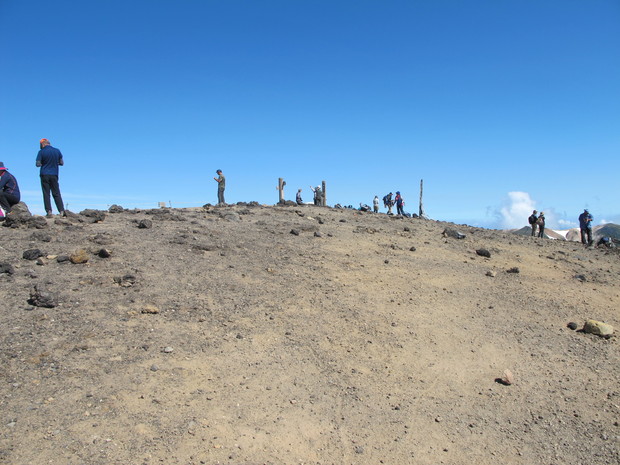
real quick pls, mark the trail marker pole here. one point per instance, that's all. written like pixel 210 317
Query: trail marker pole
pixel 323 195
pixel 421 212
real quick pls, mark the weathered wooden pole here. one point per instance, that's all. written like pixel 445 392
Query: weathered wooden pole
pixel 421 212
pixel 281 184
pixel 323 195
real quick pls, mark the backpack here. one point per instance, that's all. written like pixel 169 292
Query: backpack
pixel 532 219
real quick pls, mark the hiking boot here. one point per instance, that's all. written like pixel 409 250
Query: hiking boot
pixel 49 215
pixel 63 214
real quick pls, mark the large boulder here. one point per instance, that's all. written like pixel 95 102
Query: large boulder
pixel 94 216
pixel 20 216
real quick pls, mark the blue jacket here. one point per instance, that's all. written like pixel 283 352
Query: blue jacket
pixel 8 185
pixel 583 221
pixel 48 159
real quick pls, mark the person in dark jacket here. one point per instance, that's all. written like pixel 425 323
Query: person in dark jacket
pixel 9 190
pixel 400 203
pixel 49 159
pixel 585 224
pixel 533 218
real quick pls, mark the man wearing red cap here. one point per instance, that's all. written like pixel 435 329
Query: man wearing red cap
pixel 9 191
pixel 49 159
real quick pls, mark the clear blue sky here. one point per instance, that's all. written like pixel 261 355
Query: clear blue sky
pixel 500 106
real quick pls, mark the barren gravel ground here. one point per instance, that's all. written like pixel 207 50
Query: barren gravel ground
pixel 222 336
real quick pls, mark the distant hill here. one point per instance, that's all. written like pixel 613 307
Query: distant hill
pixel 527 230
pixel 603 230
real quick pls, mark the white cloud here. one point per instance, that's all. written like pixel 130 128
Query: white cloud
pixel 515 210
pixel 567 224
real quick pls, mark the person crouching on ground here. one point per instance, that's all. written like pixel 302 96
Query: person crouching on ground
pixel 9 191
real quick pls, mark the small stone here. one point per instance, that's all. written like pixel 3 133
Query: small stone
pixel 40 297
pixel 295 232
pixel 145 224
pixel 41 261
pixel 317 234
pixel 598 328
pixel 449 232
pixel 491 273
pixel 150 309
pixel 412 249
pixel 95 216
pixel 79 257
pixel 514 269
pixel 127 280
pixel 154 367
pixel 572 325
pixel 507 379
pixel 359 450
pixel 104 253
pixel 7 268
pixel 168 350
pixel 32 254
pixel 63 258
pixel 483 253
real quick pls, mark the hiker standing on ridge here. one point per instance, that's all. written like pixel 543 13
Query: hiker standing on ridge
pixel 49 159
pixel 375 204
pixel 9 191
pixel 532 220
pixel 221 185
pixel 388 203
pixel 541 224
pixel 400 203
pixel 298 198
pixel 585 224
pixel 318 195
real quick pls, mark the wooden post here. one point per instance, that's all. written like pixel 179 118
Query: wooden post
pixel 421 212
pixel 281 184
pixel 323 195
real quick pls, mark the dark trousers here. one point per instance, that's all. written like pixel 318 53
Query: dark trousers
pixel 220 196
pixel 534 229
pixel 50 183
pixel 7 201
pixel 541 231
pixel 586 233
pixel 399 210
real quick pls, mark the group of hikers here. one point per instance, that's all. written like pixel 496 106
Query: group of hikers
pixel 389 200
pixel 317 194
pixel 48 160
pixel 537 222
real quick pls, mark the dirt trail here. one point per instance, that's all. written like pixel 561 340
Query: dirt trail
pixel 289 335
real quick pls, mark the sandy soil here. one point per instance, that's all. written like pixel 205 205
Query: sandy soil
pixel 254 335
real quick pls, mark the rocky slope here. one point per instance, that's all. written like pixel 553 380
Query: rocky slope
pixel 287 335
